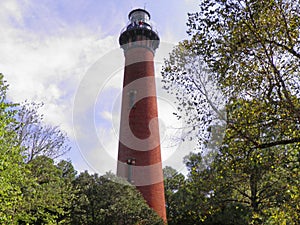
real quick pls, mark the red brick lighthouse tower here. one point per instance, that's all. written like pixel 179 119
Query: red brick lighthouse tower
pixel 139 156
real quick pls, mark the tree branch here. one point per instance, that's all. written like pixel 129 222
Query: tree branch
pixel 280 142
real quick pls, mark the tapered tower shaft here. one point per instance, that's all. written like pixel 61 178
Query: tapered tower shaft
pixel 139 156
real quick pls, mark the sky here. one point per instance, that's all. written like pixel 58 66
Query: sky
pixel 65 53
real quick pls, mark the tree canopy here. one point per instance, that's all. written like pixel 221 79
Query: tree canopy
pixel 237 85
pixel 37 188
pixel 249 50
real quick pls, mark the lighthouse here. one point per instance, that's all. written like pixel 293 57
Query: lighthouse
pixel 139 154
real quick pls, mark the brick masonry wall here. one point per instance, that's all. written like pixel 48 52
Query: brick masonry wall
pixel 139 130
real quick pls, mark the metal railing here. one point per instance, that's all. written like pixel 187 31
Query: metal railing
pixel 132 26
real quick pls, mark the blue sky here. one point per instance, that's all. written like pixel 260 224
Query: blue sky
pixel 48 49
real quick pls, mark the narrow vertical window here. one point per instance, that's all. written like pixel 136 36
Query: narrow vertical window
pixel 132 98
pixel 130 163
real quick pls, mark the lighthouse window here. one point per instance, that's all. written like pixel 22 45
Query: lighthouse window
pixel 139 16
pixel 132 98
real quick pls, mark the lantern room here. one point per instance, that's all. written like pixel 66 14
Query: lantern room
pixel 139 32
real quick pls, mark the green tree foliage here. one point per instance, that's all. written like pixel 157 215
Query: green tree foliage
pixel 250 49
pixel 213 205
pixel 260 177
pixel 108 200
pixel 174 184
pixel 49 199
pixel 252 46
pixel 35 192
pixel 194 201
pixel 13 174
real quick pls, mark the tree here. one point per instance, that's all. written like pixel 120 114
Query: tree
pixel 251 51
pixel 13 174
pixel 174 184
pixel 35 192
pixel 109 200
pixel 201 104
pixel 211 198
pixel 35 137
pixel 264 67
pixel 49 199
pixel 68 176
pixel 257 176
pixel 194 200
pixel 252 46
pixel 32 192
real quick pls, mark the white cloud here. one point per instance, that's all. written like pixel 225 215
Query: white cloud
pixel 10 9
pixel 49 67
